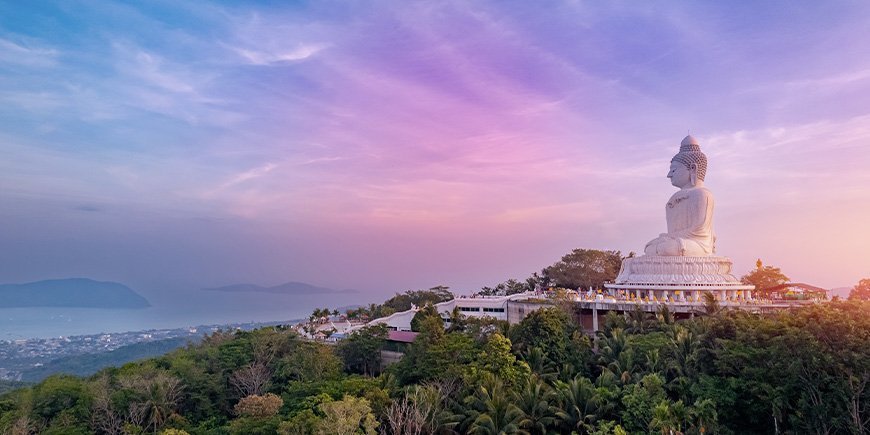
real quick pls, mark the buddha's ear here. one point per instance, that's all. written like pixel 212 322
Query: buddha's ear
pixel 693 174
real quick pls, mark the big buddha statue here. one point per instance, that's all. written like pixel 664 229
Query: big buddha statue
pixel 681 264
pixel 689 212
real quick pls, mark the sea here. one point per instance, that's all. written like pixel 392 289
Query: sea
pixel 175 310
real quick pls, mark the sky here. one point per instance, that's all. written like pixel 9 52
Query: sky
pixel 394 145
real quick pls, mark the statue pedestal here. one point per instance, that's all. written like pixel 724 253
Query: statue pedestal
pixel 680 279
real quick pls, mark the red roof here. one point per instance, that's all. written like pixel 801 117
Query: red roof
pixel 402 336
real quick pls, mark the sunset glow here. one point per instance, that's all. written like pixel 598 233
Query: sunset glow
pixel 385 146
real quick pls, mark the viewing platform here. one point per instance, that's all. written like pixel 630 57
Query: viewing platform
pixel 591 306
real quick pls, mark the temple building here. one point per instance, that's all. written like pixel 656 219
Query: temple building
pixel 795 291
pixel 680 265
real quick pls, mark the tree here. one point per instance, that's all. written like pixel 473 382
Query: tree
pixel 404 301
pixel 639 321
pixel 551 330
pixel 104 417
pixel 60 394
pixel 254 426
pixel 584 268
pixel 669 418
pixel 496 358
pixel 458 321
pixel 252 379
pixel 408 417
pixel 576 408
pixel 361 351
pixel 764 277
pixel 490 409
pixel 427 311
pixel 614 354
pixel 421 410
pixel 511 287
pixel 309 362
pixel 861 291
pixel 152 396
pixel 350 415
pixel 303 423
pixel 259 406
pixel 535 399
pixel 683 353
pixel 711 304
pixel 639 403
pixel 435 354
pixel 539 364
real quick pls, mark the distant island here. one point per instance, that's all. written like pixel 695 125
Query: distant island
pixel 70 292
pixel 289 288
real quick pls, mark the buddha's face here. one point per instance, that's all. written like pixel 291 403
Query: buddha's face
pixel 680 175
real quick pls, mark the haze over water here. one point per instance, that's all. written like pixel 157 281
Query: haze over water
pixel 207 308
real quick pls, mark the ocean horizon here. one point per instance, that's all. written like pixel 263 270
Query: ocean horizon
pixel 215 309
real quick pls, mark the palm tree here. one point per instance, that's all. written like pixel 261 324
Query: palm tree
pixel 623 367
pixel 615 355
pixel 491 411
pixel 613 321
pixel 683 347
pixel 664 419
pixel 576 408
pixel 457 321
pixel 704 416
pixel 607 396
pixel 665 317
pixel 566 372
pixel 539 363
pixel 711 305
pixel 610 345
pixel 535 399
pixel 653 360
pixel 638 320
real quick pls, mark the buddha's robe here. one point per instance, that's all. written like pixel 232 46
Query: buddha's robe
pixel 689 213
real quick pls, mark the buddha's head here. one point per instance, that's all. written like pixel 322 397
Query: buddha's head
pixel 689 166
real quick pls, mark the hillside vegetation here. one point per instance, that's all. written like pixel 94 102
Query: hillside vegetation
pixel 90 363
pixel 804 371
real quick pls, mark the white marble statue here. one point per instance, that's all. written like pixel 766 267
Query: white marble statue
pixel 689 212
pixel 680 265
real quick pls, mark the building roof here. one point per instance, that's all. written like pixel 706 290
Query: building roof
pixel 402 336
pixel 800 285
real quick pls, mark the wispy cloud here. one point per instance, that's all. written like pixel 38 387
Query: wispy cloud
pixel 88 208
pixel 835 81
pixel 151 69
pixel 248 175
pixel 34 101
pixel 290 54
pixel 26 54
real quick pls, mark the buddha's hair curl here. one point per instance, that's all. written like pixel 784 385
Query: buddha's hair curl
pixel 690 154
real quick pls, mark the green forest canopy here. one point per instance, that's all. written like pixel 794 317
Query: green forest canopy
pixel 799 371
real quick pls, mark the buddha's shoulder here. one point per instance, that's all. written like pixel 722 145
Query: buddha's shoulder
pixel 699 192
pixel 693 193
